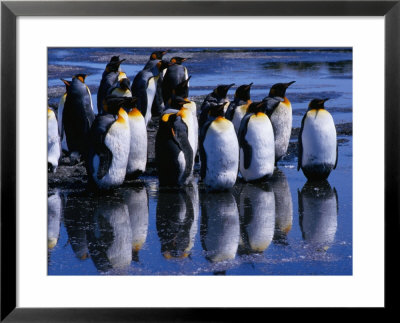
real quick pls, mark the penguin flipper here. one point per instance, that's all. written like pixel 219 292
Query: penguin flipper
pixel 230 111
pixel 337 155
pixel 243 143
pixel 202 152
pixel 105 162
pixel 300 144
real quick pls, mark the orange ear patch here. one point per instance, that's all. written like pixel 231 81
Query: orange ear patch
pixel 135 113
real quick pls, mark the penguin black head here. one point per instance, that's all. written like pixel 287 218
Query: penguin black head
pixel 279 89
pixel 243 92
pixel 222 90
pixel 182 89
pixel 124 84
pixel 67 83
pixel 114 64
pixel 80 77
pixel 163 64
pixel 217 110
pixel 158 54
pixel 255 107
pixel 317 104
pixel 178 102
pixel 178 60
pixel 113 104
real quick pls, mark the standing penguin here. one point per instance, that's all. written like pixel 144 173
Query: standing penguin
pixel 155 57
pixel 318 148
pixel 279 110
pixel 219 151
pixel 216 97
pixel 109 150
pixel 174 75
pixel 109 78
pixel 238 107
pixel 78 115
pixel 256 141
pixel 144 87
pixel 53 141
pixel 174 154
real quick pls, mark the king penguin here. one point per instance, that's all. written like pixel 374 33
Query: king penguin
pixel 238 107
pixel 174 75
pixel 174 154
pixel 279 110
pixel 216 97
pixel 109 78
pixel 144 87
pixel 53 141
pixel 219 151
pixel 109 150
pixel 256 141
pixel 155 57
pixel 318 147
pixel 78 116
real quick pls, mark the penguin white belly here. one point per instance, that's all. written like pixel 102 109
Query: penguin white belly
pixel 319 139
pixel 138 142
pixel 281 120
pixel 137 202
pixel 53 140
pixel 117 141
pixel 222 153
pixel 260 136
pixel 238 116
pixel 150 92
pixel 261 204
pixel 223 229
pixel 54 207
pixel 61 131
pixel 195 124
pixel 191 124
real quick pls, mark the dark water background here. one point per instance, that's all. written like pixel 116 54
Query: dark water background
pixel 137 229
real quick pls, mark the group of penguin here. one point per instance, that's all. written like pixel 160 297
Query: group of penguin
pixel 234 139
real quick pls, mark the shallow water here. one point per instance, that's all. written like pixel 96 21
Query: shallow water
pixel 282 226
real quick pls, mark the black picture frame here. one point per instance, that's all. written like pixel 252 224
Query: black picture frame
pixel 10 10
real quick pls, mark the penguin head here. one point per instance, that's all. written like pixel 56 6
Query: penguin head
pixel 182 89
pixel 114 64
pixel 80 77
pixel 222 90
pixel 162 65
pixel 217 110
pixel 112 105
pixel 178 60
pixel 243 92
pixel 279 89
pixel 158 54
pixel 124 84
pixel 255 107
pixel 67 84
pixel 317 104
pixel 178 102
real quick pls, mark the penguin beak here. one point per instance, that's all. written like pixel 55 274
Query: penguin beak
pixel 325 100
pixel 120 61
pixel 289 84
pixel 249 86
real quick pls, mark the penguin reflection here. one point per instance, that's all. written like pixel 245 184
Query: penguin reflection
pixel 220 229
pixel 283 206
pixel 110 236
pixel 176 221
pixel 76 216
pixel 318 210
pixel 138 207
pixel 257 218
pixel 54 214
